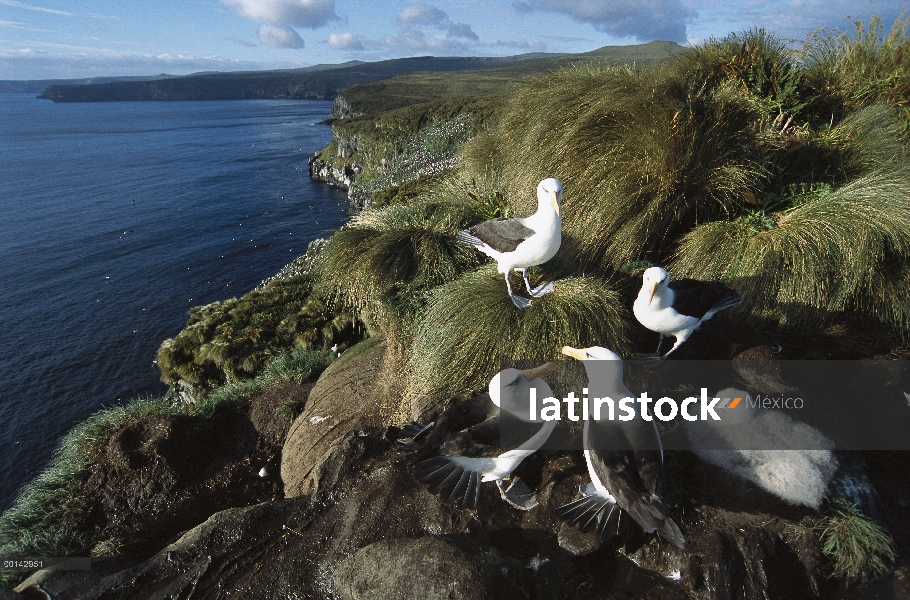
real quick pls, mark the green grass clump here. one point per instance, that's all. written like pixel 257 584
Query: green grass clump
pixel 642 157
pixel 231 340
pixel 835 250
pixel 470 326
pixel 385 259
pixel 858 548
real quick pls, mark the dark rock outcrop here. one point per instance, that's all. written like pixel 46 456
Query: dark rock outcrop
pixel 359 526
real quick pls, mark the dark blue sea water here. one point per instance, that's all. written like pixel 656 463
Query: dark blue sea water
pixel 115 219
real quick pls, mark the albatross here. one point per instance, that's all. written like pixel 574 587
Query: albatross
pixel 624 459
pixel 792 460
pixel 465 442
pixel 678 308
pixel 522 243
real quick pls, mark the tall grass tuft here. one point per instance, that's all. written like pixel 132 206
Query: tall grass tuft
pixel 858 548
pixel 470 326
pixel 862 67
pixel 380 264
pixel 643 157
pixel 830 252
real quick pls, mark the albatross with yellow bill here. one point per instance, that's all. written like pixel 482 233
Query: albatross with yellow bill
pixel 522 243
pixel 624 459
pixel 465 442
pixel 678 308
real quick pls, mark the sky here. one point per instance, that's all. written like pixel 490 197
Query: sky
pixel 49 39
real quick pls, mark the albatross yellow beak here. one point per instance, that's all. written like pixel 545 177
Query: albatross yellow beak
pixel 555 202
pixel 532 374
pixel 652 290
pixel 576 353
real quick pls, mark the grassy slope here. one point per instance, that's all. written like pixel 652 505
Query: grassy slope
pixel 414 88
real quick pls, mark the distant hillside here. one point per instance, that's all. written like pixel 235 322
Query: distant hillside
pixel 326 81
pixel 414 88
pixel 36 86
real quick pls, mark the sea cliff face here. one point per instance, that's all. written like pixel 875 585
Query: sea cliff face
pixel 373 152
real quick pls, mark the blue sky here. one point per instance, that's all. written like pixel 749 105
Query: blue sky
pixel 42 39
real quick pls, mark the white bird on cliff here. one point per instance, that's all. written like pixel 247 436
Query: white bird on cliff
pixel 522 243
pixel 678 308
pixel 468 445
pixel 624 458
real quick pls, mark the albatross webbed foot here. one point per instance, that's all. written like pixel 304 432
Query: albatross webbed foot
pixel 517 494
pixel 542 290
pixel 519 302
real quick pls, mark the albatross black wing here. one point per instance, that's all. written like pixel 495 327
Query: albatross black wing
pixel 456 473
pixel 633 478
pixel 424 440
pixel 456 481
pixel 500 234
pixel 697 298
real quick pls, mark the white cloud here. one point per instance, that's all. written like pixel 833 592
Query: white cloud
pixel 411 40
pixel 424 14
pixel 52 11
pixel 309 14
pixel 344 41
pixel 645 20
pixel 279 36
pixel 420 14
pixel 21 26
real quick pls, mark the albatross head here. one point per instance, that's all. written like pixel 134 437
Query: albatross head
pixel 653 279
pixel 550 191
pixel 602 365
pixel 510 380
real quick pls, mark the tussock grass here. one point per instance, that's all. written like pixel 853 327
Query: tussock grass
pixel 834 251
pixel 379 265
pixel 862 67
pixel 858 548
pixel 642 157
pixel 469 326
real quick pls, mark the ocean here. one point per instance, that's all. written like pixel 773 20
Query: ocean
pixel 119 217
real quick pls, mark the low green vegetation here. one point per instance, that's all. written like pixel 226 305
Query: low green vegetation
pixel 857 548
pixel 505 77
pixel 230 341
pixel 402 145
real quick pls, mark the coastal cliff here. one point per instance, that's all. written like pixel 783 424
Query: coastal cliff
pixel 316 500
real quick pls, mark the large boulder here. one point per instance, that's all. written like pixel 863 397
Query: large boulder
pixel 431 569
pixel 346 398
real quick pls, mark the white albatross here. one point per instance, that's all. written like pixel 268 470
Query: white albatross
pixel 467 447
pixel 678 308
pixel 624 458
pixel 522 243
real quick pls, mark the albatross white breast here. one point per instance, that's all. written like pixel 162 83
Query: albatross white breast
pixel 522 243
pixel 678 308
pixel 625 462
pixel 464 442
